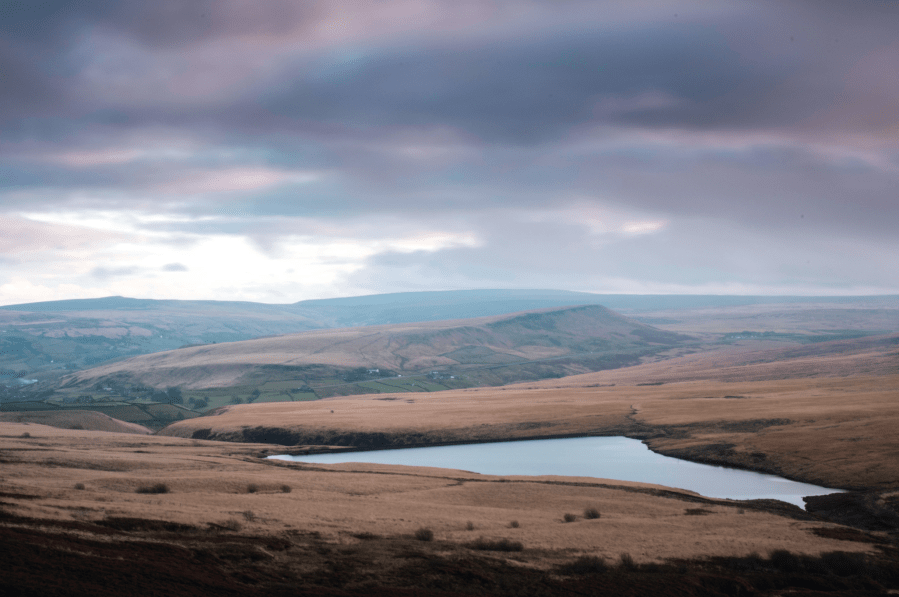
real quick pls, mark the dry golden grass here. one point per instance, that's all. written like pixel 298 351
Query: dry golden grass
pixel 75 419
pixel 826 419
pixel 208 485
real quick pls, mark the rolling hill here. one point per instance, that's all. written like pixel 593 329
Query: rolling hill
pixel 48 339
pixel 484 351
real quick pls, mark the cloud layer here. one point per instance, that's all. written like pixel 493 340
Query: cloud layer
pixel 286 151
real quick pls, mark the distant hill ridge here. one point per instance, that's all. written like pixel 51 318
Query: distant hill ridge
pixel 455 298
pixel 597 336
pixel 46 339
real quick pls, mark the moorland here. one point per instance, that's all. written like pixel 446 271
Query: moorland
pixel 806 390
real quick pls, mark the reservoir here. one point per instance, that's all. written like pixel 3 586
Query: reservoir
pixel 618 458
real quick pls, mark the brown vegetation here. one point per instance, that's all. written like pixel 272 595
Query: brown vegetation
pixel 74 419
pixel 824 413
pixel 362 520
pixel 824 419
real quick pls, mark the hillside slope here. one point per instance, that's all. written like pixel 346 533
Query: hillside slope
pixel 47 339
pixel 598 337
pixel 75 419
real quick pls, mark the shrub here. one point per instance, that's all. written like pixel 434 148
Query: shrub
pixel 232 525
pixel 249 516
pixel 585 565
pixel 842 563
pixel 286 489
pixel 424 534
pixel 751 562
pixel 469 526
pixel 785 561
pixel 155 488
pixel 496 545
pixel 252 488
pixel 569 517
pixel 25 435
pixel 696 512
pixel 591 513
pixel 626 562
pixel 514 524
pixel 79 486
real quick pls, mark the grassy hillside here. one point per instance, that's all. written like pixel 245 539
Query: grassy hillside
pixel 825 416
pixel 45 340
pixel 435 355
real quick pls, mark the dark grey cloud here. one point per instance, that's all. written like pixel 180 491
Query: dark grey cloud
pixel 159 23
pixel 521 91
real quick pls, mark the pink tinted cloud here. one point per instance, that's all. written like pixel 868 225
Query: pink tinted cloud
pixel 242 178
pixel 20 236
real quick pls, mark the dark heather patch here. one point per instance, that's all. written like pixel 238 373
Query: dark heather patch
pixel 144 525
pixel 855 509
pixel 201 434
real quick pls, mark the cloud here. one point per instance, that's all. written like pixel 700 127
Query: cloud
pixel 20 237
pixel 174 267
pixel 227 180
pixel 113 272
pixel 336 147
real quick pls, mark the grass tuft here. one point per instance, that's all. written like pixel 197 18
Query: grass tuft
pixel 249 516
pixel 567 517
pixel 252 488
pixel 155 488
pixel 696 512
pixel 469 526
pixel 626 562
pixel 591 514
pixel 514 524
pixel 286 489
pixel 79 486
pixel 424 534
pixel 232 524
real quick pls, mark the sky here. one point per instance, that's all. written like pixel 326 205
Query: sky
pixel 281 151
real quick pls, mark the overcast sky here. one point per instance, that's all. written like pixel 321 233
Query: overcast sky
pixel 285 150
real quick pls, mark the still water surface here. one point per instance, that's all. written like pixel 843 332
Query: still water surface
pixel 619 458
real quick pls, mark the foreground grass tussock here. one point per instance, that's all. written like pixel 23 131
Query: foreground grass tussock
pixel 155 488
pixel 100 558
pixel 503 544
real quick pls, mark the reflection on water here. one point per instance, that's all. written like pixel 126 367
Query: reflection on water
pixel 618 458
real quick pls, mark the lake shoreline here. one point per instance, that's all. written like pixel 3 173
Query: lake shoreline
pixel 697 455
pixel 604 457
